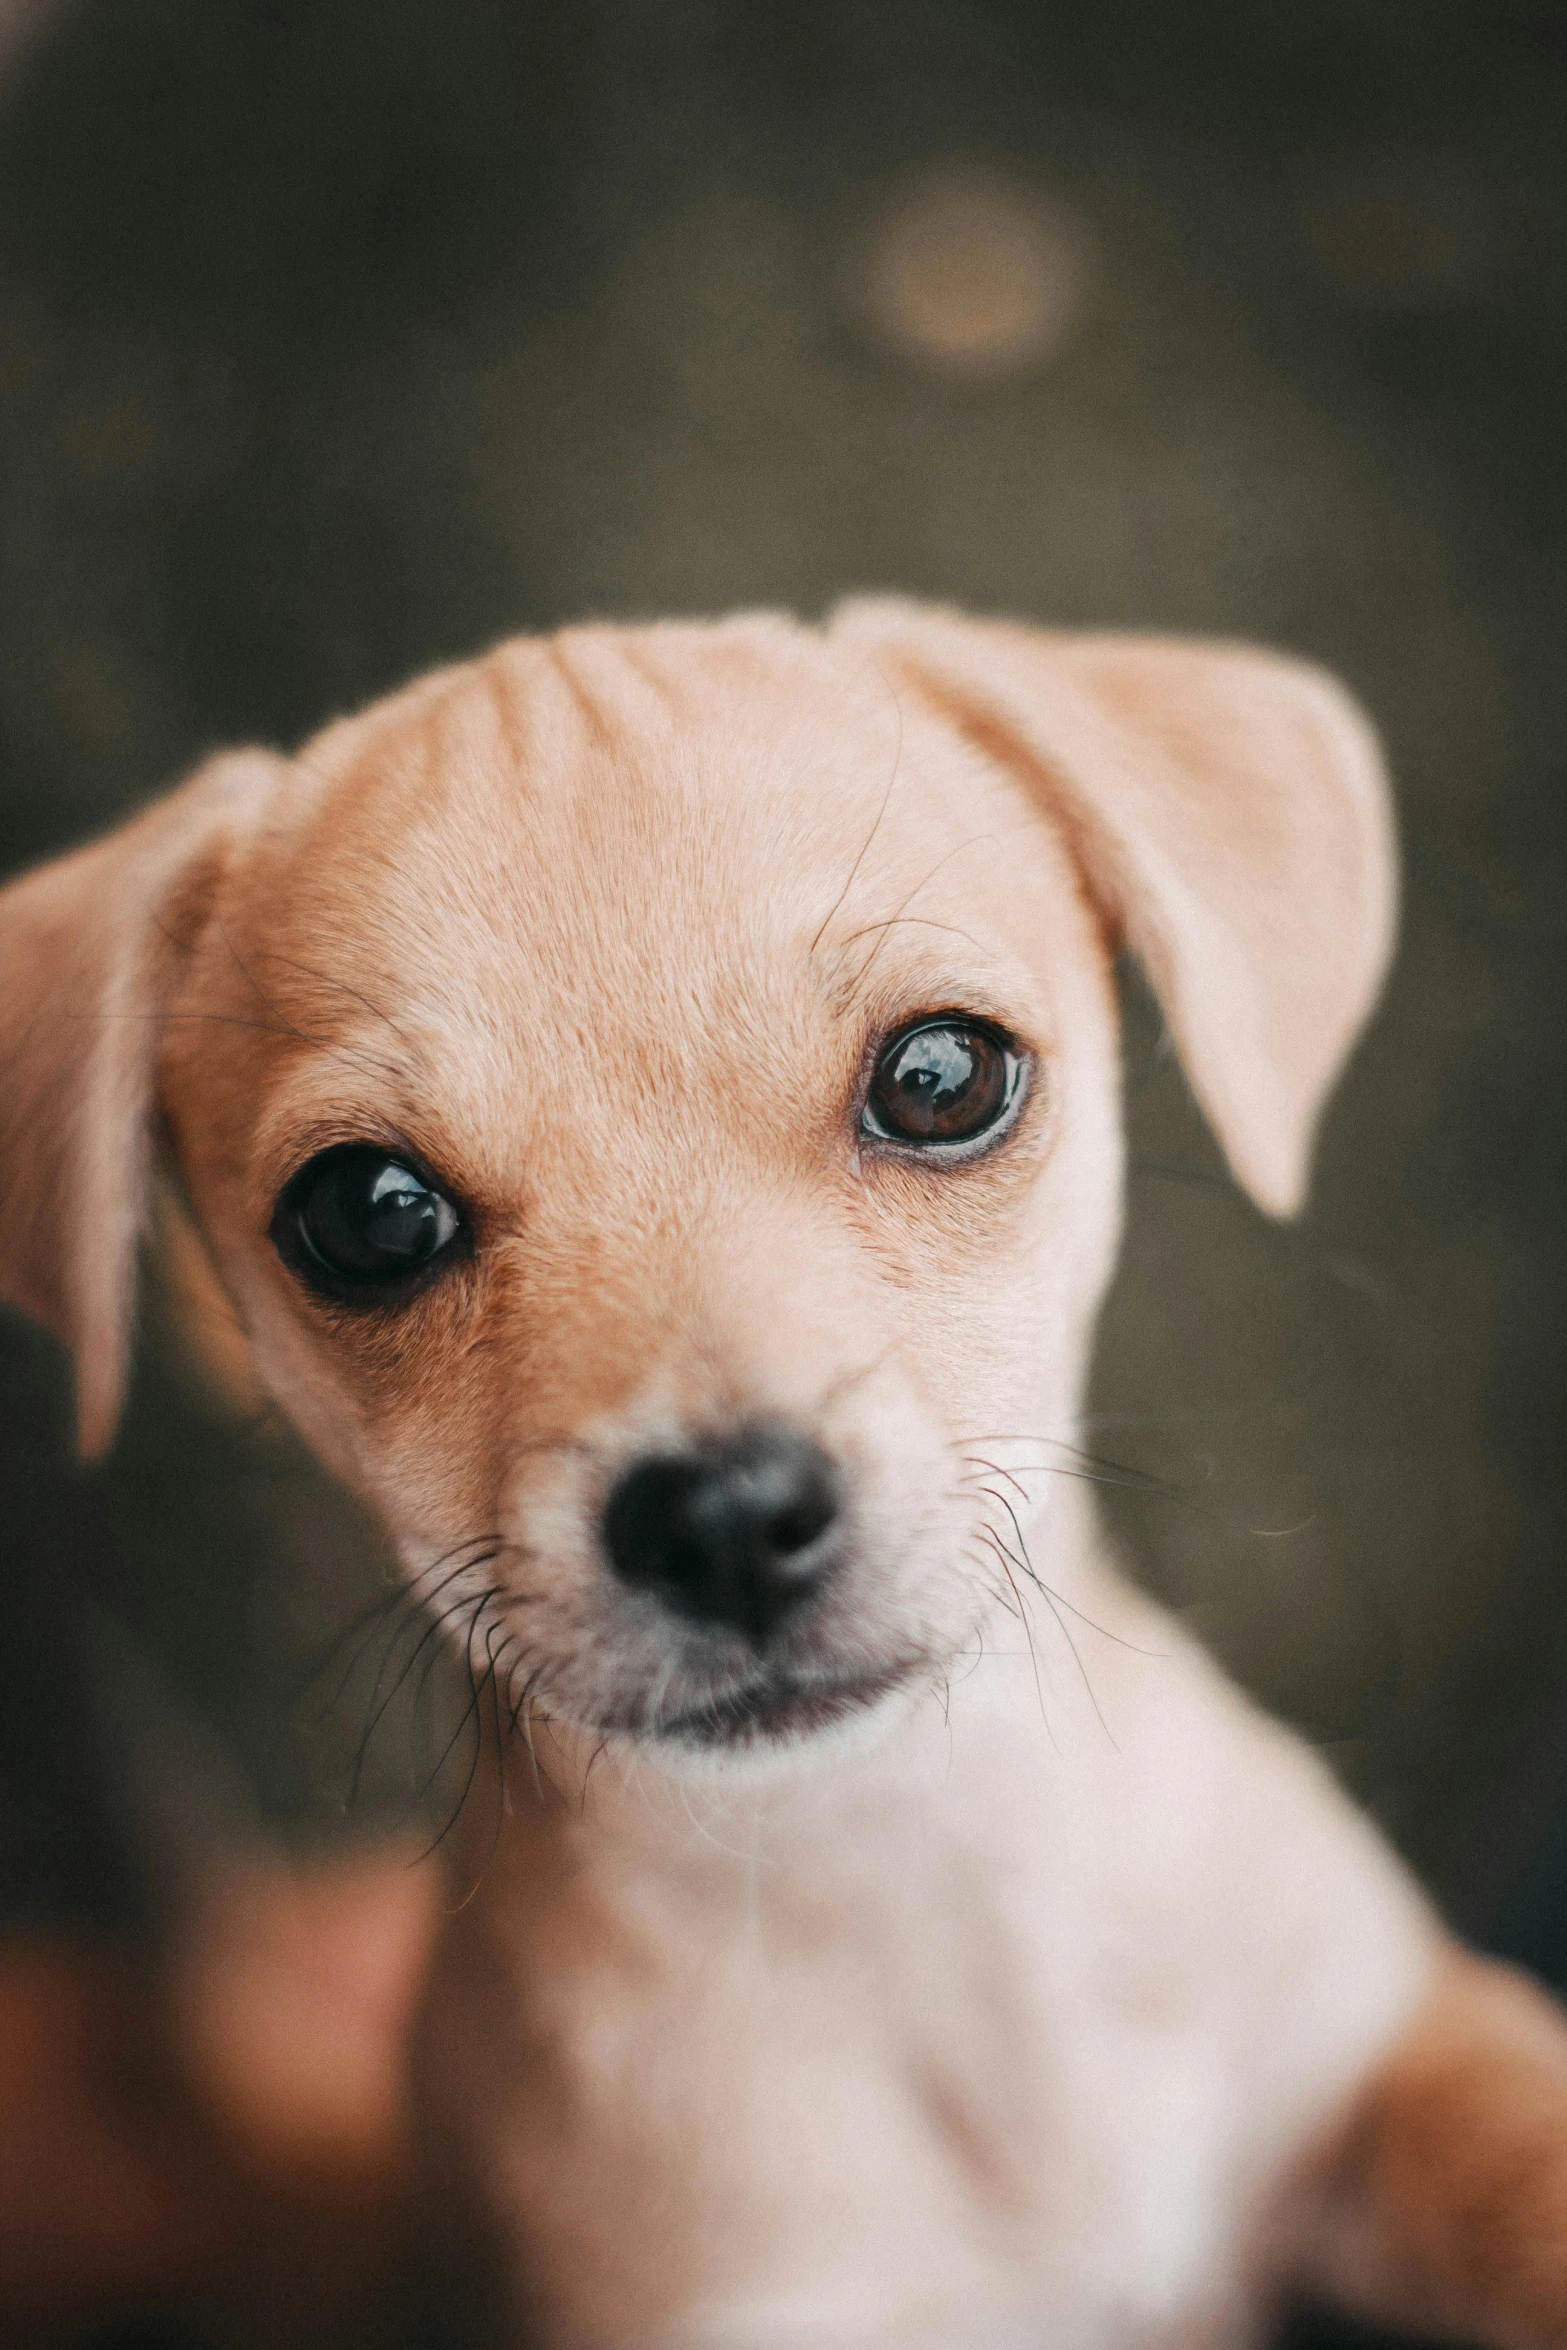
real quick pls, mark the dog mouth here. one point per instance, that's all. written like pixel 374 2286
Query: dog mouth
pixel 774 1707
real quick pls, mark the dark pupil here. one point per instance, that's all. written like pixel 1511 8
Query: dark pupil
pixel 940 1085
pixel 363 1215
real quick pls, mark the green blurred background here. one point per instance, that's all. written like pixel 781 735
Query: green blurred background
pixel 340 336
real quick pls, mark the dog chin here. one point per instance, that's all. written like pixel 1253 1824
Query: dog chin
pixel 777 1714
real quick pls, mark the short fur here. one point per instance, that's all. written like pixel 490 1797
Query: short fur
pixel 1047 1992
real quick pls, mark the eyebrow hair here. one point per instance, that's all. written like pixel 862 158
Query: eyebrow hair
pixel 328 979
pixel 853 979
pixel 958 849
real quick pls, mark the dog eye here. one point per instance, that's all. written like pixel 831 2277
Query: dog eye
pixel 354 1218
pixel 945 1081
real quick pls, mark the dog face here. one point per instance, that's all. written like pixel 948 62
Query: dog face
pixel 612 947
pixel 650 1097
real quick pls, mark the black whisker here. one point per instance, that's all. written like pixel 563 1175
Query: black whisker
pixel 1050 1601
pixel 358 1629
pixel 1123 1470
pixel 892 777
pixel 1033 1653
pixel 914 921
pixel 863 972
pixel 431 1631
pixel 327 979
pixel 289 1027
pixel 1048 1596
pixel 492 1681
pixel 601 1749
pixel 473 1712
pixel 996 1470
pixel 1058 1599
pixel 406 1596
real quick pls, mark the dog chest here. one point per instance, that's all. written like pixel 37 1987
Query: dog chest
pixel 1042 2031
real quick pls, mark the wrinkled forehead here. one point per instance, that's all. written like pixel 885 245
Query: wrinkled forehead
pixel 664 846
pixel 613 812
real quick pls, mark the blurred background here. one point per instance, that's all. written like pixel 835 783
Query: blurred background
pixel 341 336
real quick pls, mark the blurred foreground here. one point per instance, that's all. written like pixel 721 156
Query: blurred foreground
pixel 214 2137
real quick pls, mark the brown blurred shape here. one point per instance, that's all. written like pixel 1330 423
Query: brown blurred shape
pixel 219 2137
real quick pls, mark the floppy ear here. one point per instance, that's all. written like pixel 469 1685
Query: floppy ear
pixel 90 949
pixel 1231 815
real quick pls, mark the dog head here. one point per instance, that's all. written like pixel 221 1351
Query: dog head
pixel 650 1096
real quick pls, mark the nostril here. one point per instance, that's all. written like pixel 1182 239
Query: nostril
pixel 794 1530
pixel 652 1519
pixel 797 1524
pixel 733 1533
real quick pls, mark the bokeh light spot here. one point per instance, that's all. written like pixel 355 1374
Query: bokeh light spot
pixel 970 273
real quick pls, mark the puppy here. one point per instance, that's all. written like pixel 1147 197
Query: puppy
pixel 651 1098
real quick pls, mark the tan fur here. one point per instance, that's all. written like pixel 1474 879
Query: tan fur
pixel 1262 912
pixel 1021 2000
pixel 89 949
pixel 1450 2207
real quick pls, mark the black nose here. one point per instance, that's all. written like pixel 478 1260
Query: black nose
pixel 734 1533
